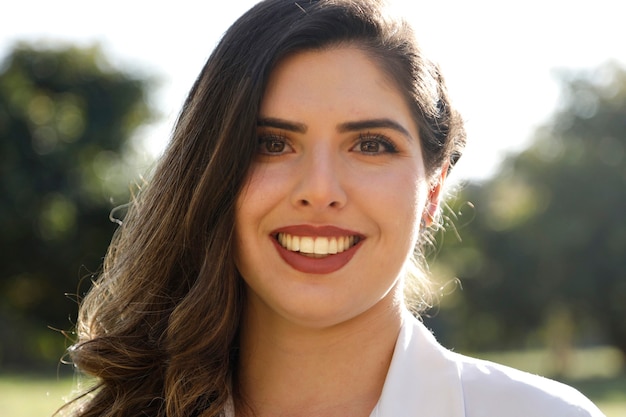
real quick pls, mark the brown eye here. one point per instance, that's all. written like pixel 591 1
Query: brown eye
pixel 274 146
pixel 370 146
pixel 374 144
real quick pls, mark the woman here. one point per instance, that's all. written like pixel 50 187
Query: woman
pixel 261 272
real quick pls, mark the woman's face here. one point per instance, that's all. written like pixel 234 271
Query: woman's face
pixel 332 204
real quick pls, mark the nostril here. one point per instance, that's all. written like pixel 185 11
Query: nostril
pixel 307 203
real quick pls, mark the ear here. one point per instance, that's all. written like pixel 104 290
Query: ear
pixel 434 197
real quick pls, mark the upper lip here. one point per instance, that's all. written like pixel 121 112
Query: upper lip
pixel 314 231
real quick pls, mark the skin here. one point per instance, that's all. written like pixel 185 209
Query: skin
pixel 316 167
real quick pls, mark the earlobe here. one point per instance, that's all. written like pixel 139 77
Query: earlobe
pixel 434 198
pixel 430 212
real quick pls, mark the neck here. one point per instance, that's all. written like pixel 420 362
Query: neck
pixel 293 370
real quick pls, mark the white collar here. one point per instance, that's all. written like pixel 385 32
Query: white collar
pixel 422 379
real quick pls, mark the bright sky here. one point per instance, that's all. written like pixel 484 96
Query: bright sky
pixel 498 56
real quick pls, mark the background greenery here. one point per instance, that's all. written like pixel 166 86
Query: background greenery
pixel 530 259
pixel 539 249
pixel 66 122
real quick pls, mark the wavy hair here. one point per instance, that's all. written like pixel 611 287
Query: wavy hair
pixel 159 328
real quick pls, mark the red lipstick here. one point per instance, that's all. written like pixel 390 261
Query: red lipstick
pixel 310 264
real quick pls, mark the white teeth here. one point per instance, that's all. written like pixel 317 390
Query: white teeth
pixel 316 245
pixel 332 246
pixel 321 247
pixel 340 245
pixel 307 245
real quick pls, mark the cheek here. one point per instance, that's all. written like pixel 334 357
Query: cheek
pixel 261 193
pixel 401 202
pixel 258 192
pixel 401 194
pixel 265 184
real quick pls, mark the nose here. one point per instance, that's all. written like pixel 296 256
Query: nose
pixel 320 182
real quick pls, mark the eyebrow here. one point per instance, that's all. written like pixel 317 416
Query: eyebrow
pixel 374 124
pixel 384 123
pixel 282 124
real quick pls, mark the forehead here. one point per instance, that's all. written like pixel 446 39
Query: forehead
pixel 345 80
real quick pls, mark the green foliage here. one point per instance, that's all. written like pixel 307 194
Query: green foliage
pixel 548 235
pixel 66 117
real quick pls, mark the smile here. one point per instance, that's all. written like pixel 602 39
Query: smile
pixel 316 246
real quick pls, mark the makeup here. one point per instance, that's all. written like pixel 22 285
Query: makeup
pixel 313 252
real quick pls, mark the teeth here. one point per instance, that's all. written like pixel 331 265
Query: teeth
pixel 307 245
pixel 332 246
pixel 321 246
pixel 316 245
pixel 340 246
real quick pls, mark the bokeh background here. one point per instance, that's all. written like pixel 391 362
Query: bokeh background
pixel 531 261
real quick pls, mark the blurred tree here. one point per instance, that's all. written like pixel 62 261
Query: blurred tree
pixel 66 117
pixel 544 250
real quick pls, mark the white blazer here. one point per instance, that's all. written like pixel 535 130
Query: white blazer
pixel 427 380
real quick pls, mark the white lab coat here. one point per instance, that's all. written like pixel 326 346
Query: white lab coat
pixel 427 380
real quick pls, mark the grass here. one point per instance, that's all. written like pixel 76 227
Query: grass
pixel 30 396
pixel 598 373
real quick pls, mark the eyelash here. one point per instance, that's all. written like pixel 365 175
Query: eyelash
pixel 264 139
pixel 386 143
pixel 388 147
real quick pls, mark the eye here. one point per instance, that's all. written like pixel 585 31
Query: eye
pixel 374 144
pixel 272 144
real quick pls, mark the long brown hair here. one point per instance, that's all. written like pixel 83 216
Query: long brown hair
pixel 158 329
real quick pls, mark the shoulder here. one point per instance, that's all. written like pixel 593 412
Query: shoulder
pixel 490 389
pixel 425 378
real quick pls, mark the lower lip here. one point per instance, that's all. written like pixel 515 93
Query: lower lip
pixel 310 265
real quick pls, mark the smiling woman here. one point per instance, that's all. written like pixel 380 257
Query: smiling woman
pixel 261 272
pixel 344 164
